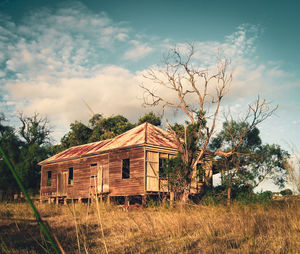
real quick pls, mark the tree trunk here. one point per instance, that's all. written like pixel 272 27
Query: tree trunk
pixel 172 198
pixel 185 196
pixel 229 195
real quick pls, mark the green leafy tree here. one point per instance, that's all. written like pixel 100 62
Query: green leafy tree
pixel 95 120
pixel 269 161
pixel 150 118
pixel 34 129
pixel 35 137
pixel 99 128
pixel 10 144
pixel 286 192
pixel 250 163
pixel 28 168
pixel 79 134
pixel 180 171
pixel 106 128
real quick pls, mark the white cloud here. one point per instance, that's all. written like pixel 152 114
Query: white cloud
pixel 111 90
pixel 138 51
pixel 122 36
pixel 64 42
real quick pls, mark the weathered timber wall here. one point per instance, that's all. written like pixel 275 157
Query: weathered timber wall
pixel 81 176
pixel 133 185
pixel 48 191
pixel 82 171
pixel 111 164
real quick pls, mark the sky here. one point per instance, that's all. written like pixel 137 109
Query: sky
pixel 58 56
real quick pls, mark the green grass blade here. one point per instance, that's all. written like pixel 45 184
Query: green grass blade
pixel 36 213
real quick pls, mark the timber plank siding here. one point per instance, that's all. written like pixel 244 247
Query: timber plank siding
pixel 134 185
pixel 80 188
pixel 82 172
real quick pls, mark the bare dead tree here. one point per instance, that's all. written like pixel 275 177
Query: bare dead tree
pixel 196 92
pixel 34 129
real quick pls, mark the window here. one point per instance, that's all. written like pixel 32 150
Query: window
pixel 70 178
pixel 49 178
pixel 162 163
pixel 125 169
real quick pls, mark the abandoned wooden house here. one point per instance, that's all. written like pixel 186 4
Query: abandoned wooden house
pixel 127 165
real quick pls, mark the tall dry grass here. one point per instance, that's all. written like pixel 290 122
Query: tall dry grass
pixel 273 228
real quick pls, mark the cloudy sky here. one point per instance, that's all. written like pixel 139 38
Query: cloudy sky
pixel 56 56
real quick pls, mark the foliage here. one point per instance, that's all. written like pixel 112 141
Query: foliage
pixel 174 171
pixel 109 127
pixel 35 132
pixel 79 134
pixel 286 192
pixel 100 128
pixel 251 163
pixel 11 145
pixel 28 169
pixel 179 170
pixel 261 197
pixel 34 129
pixel 178 129
pixel 240 194
pixel 24 151
pixel 270 161
pixel 150 118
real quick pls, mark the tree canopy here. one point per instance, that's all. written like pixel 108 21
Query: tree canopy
pixel 25 148
pixel 150 118
pixel 11 145
pixel 252 162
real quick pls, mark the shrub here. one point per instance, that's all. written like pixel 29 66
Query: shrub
pixel 286 192
pixel 261 197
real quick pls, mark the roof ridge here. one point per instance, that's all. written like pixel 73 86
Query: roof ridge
pixel 146 133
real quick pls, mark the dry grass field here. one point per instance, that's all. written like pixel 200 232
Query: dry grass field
pixel 273 228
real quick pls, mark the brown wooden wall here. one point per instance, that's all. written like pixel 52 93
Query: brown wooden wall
pixel 48 191
pixel 133 185
pixel 82 172
pixel 111 164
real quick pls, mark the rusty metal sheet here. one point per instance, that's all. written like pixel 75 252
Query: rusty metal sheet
pixel 145 133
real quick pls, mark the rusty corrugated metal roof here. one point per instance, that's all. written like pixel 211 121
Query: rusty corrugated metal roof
pixel 143 134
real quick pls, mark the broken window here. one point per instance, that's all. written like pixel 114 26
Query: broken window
pixel 125 168
pixel 70 178
pixel 49 178
pixel 162 172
